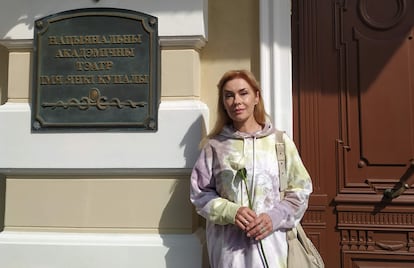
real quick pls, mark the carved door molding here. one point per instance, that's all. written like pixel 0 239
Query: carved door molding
pixel 353 74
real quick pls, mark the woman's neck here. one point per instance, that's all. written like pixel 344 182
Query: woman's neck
pixel 247 127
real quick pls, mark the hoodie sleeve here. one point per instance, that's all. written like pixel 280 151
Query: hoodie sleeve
pixel 203 192
pixel 289 211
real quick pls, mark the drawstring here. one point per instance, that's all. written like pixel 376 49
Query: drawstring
pixel 253 170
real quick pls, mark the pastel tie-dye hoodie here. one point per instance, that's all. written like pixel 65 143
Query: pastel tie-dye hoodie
pixel 217 193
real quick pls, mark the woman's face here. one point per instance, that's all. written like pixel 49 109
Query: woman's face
pixel 239 100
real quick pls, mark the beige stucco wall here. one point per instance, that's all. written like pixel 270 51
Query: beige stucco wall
pixel 139 204
pixel 233 43
pixel 19 75
pixel 142 203
pixel 180 74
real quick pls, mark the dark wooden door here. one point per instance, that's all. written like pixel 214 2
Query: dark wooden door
pixel 353 83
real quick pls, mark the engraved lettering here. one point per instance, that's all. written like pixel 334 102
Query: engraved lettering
pixel 51 80
pixel 93 66
pixel 95 52
pixel 56 40
pixel 80 79
pixel 123 79
pixel 104 79
pixel 140 78
pixel 52 40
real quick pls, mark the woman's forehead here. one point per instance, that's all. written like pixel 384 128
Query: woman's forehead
pixel 236 84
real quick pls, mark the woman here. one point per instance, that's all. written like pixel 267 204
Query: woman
pixel 235 181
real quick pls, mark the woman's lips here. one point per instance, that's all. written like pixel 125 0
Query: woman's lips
pixel 238 111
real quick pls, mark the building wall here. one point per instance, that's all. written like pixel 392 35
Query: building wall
pixel 116 199
pixel 233 43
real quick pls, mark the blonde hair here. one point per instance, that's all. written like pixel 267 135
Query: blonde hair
pixel 222 116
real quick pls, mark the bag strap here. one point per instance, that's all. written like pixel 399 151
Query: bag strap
pixel 297 232
pixel 281 159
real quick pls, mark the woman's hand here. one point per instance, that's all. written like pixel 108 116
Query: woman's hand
pixel 260 227
pixel 244 217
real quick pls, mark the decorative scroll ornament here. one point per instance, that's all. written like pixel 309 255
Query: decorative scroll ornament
pixel 93 100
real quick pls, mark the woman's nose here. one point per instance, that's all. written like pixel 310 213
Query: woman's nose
pixel 237 99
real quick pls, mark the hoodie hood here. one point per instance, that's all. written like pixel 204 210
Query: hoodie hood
pixel 229 132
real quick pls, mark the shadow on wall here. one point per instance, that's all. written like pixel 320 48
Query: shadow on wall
pixel 179 220
pixel 2 200
pixel 4 62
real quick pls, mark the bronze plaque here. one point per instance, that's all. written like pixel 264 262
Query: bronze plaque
pixel 96 69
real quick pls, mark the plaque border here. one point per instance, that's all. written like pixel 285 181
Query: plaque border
pixel 150 124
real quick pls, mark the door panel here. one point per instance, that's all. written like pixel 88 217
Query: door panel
pixel 375 43
pixel 353 71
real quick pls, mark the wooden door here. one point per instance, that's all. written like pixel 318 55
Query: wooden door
pixel 353 83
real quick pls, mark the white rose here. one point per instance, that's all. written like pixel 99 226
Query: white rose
pixel 238 164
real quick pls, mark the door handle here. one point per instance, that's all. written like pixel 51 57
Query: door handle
pixel 396 191
pixel 405 183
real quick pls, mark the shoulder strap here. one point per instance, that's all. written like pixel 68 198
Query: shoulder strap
pixel 281 159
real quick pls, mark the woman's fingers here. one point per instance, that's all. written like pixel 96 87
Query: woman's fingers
pixel 261 227
pixel 257 227
pixel 244 217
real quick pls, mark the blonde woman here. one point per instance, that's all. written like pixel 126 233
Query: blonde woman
pixel 235 181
